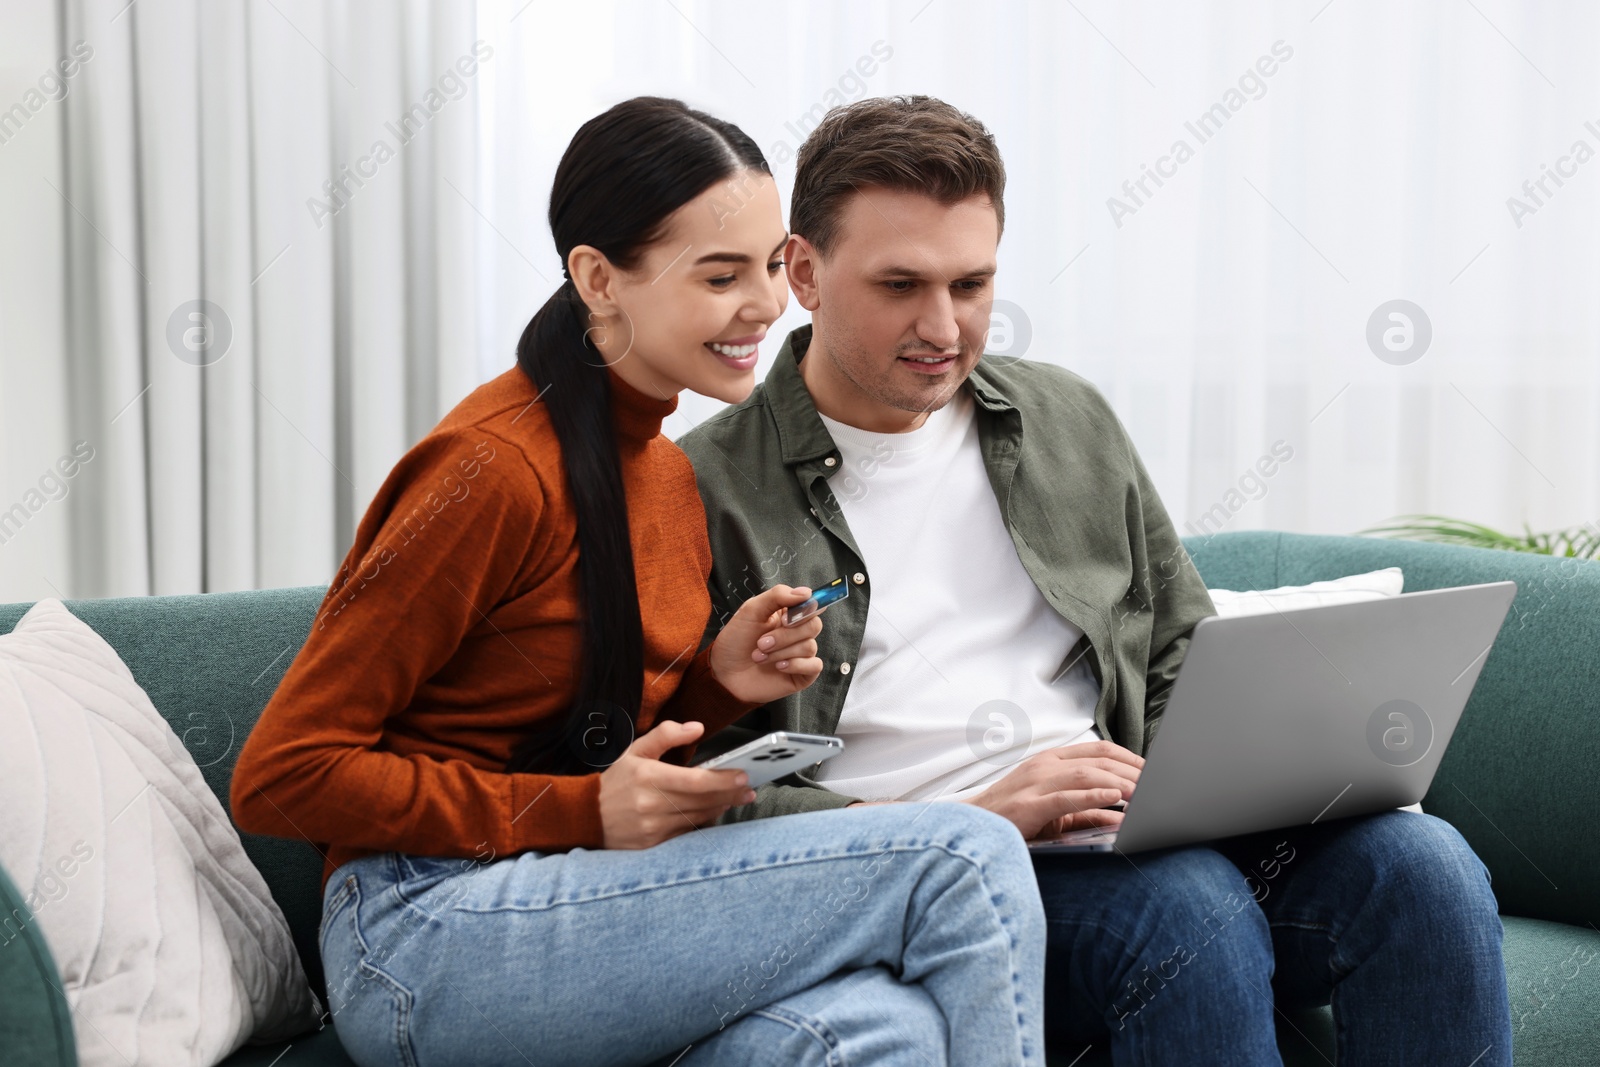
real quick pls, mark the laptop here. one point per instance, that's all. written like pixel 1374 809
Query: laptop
pixel 1293 717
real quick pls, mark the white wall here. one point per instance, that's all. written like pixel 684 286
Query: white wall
pixel 33 384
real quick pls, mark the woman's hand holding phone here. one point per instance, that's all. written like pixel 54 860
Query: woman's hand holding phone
pixel 644 802
pixel 759 659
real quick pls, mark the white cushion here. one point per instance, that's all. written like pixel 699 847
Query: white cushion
pixel 169 946
pixel 1373 585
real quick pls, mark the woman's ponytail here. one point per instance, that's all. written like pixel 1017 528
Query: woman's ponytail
pixel 555 354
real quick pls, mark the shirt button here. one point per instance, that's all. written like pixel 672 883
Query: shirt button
pixel 858 577
pixel 844 668
pixel 830 462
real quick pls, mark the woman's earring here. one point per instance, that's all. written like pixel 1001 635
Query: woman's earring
pixel 601 328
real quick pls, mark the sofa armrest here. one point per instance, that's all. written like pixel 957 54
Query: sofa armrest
pixel 35 1020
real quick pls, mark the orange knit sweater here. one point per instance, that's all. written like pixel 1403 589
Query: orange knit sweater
pixel 454 624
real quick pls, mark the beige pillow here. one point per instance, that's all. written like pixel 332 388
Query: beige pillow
pixel 169 946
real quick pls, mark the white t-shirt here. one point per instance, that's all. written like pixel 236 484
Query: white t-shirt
pixel 955 683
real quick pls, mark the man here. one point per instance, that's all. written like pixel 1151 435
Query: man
pixel 1019 607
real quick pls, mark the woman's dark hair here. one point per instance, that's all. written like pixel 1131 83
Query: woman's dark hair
pixel 624 173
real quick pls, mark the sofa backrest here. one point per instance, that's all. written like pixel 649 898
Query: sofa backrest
pixel 1517 780
pixel 1519 777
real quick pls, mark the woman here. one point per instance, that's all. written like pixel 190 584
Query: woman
pixel 488 724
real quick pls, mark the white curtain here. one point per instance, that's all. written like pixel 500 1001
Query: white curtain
pixel 190 160
pixel 1340 156
pixel 1229 310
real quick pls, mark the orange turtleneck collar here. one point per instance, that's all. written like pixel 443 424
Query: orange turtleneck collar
pixel 638 416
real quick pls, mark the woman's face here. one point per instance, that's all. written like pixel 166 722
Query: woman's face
pixel 692 313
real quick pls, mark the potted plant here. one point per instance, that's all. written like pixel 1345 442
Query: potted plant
pixel 1581 542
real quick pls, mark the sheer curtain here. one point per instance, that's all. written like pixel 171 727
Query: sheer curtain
pixel 1213 211
pixel 1339 156
pixel 239 281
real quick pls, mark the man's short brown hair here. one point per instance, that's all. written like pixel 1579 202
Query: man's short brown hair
pixel 912 143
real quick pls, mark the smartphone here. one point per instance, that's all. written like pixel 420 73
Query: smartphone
pixel 776 755
pixel 837 589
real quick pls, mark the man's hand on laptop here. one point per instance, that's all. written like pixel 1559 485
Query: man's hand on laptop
pixel 1065 789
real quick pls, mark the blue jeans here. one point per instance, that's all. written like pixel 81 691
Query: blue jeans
pixel 1184 955
pixel 885 936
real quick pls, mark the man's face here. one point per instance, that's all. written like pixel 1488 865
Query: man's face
pixel 900 305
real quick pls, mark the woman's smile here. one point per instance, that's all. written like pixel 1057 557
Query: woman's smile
pixel 739 353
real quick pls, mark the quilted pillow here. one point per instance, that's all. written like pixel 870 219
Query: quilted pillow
pixel 169 946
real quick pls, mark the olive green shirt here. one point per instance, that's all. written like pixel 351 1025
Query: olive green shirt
pixel 1081 510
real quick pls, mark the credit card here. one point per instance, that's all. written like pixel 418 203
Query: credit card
pixel 835 590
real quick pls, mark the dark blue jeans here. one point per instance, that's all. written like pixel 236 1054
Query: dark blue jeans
pixel 1183 955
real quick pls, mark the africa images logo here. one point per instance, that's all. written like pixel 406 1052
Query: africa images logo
pixel 1399 733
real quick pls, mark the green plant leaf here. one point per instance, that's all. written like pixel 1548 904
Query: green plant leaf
pixel 1581 542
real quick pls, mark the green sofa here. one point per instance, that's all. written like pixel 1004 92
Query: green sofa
pixel 1519 779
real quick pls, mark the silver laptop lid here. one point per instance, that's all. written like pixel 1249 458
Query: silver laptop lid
pixel 1292 717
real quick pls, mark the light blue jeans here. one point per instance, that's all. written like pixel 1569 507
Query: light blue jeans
pixel 892 935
